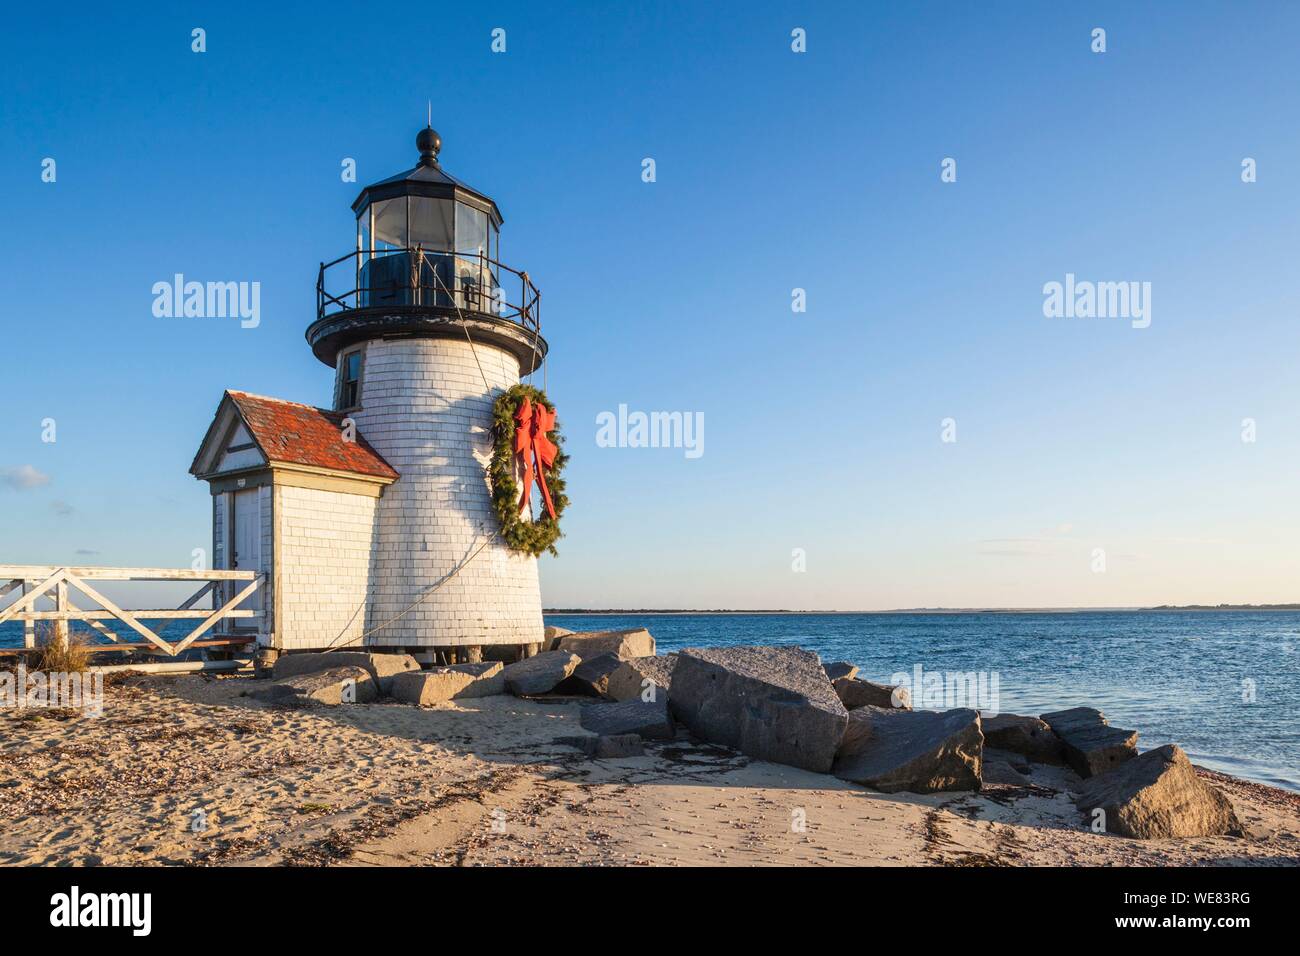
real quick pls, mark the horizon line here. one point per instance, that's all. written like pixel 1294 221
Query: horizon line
pixel 936 610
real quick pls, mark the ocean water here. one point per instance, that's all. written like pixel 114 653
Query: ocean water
pixel 1176 677
pixel 11 632
pixel 1181 677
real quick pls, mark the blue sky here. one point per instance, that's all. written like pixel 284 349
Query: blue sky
pixel 775 170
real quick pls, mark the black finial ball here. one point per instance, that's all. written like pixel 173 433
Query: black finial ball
pixel 428 142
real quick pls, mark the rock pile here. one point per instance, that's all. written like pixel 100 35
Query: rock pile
pixel 647 678
pixel 591 677
pixel 330 686
pixel 1090 744
pixel 784 705
pixel 382 667
pixel 773 703
pixel 856 692
pixel 840 669
pixel 890 750
pixel 456 682
pixel 1028 736
pixel 540 674
pixel 622 644
pixel 1157 795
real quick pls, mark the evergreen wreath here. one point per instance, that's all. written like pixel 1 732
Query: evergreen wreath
pixel 532 537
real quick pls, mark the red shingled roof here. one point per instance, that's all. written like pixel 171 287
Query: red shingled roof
pixel 305 435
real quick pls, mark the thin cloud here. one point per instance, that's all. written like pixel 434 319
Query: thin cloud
pixel 1029 546
pixel 1008 546
pixel 23 478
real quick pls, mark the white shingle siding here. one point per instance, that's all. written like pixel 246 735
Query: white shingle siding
pixel 425 408
pixel 325 543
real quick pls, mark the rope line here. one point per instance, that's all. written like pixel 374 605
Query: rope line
pixel 410 607
pixel 492 537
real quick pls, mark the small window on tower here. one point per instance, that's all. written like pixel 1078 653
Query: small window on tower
pixel 350 381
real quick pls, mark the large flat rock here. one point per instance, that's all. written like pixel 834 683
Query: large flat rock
pixel 457 682
pixel 1091 745
pixel 837 669
pixel 338 685
pixel 551 635
pixel 382 667
pixel 649 720
pixel 856 692
pixel 622 644
pixel 539 674
pixel 591 677
pixel 773 703
pixel 647 678
pixel 1028 736
pixel 919 751
pixel 1157 795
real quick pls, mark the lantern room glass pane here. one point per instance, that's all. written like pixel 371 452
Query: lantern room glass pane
pixel 473 279
pixel 431 223
pixel 385 277
pixel 390 223
pixel 363 248
pixel 471 230
pixel 363 231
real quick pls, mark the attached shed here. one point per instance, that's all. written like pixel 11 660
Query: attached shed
pixel 295 494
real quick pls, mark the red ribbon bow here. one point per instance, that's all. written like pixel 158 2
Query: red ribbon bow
pixel 536 452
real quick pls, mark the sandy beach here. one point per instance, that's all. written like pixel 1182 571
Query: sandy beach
pixel 189 771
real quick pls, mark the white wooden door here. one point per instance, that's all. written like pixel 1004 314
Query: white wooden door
pixel 247 554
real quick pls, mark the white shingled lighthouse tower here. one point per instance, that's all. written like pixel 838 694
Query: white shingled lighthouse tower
pixel 374 517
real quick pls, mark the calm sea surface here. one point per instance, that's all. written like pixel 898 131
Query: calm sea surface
pixel 1177 677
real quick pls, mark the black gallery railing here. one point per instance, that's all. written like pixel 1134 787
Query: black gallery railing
pixel 414 276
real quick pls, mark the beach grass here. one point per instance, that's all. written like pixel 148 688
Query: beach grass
pixel 60 656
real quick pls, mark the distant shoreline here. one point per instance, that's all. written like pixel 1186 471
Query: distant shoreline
pixel 628 612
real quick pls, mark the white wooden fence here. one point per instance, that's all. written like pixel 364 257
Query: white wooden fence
pixel 56 583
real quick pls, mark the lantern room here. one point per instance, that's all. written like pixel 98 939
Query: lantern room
pixel 427 210
pixel 426 251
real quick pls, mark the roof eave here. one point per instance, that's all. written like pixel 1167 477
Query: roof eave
pixel 226 398
pixel 391 189
pixel 335 472
pixel 384 480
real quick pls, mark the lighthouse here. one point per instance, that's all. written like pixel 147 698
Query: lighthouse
pixel 374 516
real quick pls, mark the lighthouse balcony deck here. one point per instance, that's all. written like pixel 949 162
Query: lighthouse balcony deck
pixel 422 278
pixel 415 291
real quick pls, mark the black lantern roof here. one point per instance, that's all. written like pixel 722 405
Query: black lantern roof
pixel 427 179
